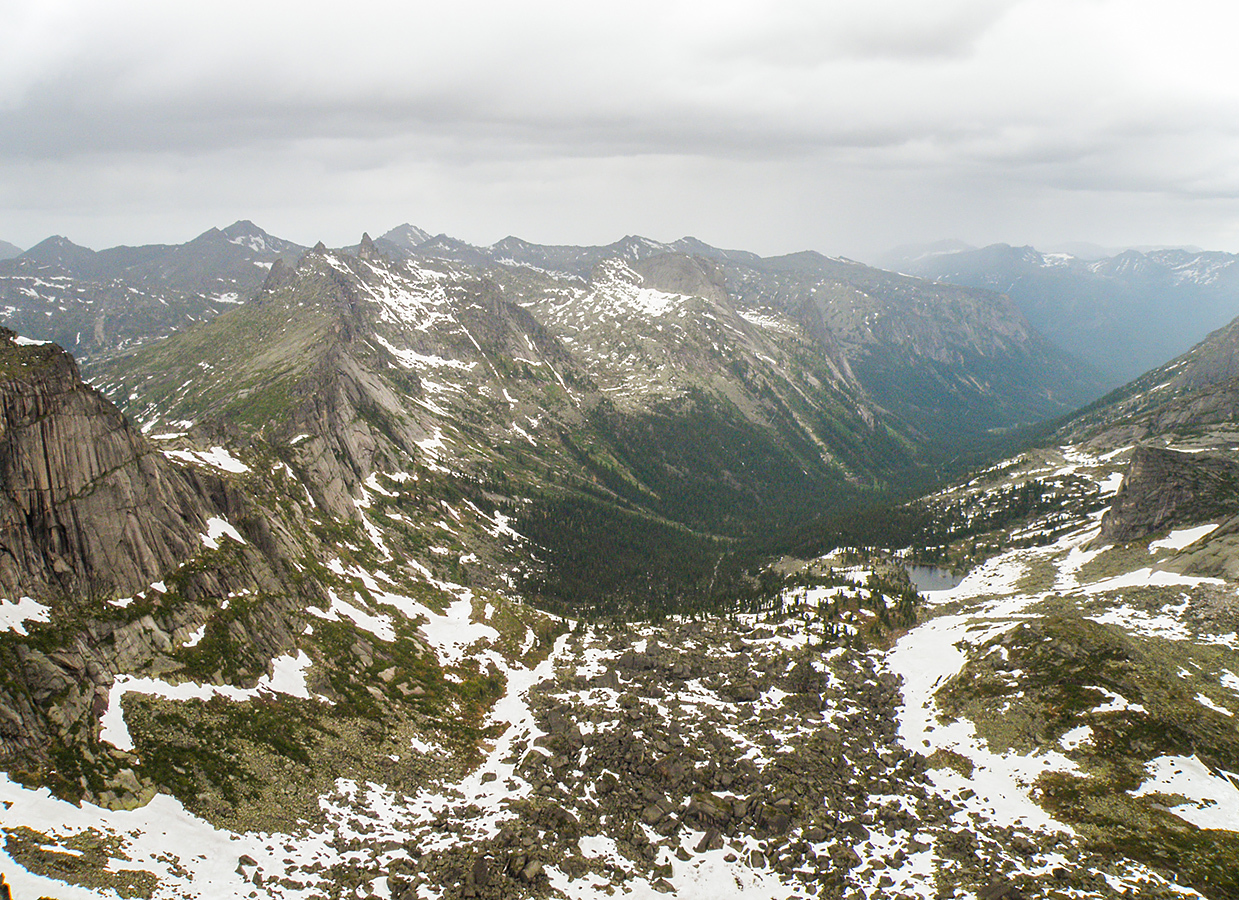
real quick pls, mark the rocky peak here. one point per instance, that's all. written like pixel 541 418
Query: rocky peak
pixel 243 227
pixel 678 274
pixel 407 236
pixel 278 275
pixel 61 253
pixel 365 250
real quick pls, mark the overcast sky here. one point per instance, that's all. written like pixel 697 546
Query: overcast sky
pixel 846 127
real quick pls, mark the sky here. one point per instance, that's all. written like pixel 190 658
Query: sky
pixel 844 126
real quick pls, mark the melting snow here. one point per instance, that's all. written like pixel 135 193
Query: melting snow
pixel 411 359
pixel 208 863
pixel 216 456
pixel 1115 702
pixel 1204 700
pixel 1214 799
pixel 1076 737
pixel 1111 483
pixel 1147 577
pixel 218 528
pixel 1181 538
pixel 1167 624
pixel 287 677
pixel 13 616
pixel 378 625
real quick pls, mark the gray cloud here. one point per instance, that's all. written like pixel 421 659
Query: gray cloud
pixel 840 125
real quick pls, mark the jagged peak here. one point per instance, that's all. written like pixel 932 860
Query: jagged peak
pixel 280 274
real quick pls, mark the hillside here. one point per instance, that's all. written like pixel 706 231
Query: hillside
pixel 307 702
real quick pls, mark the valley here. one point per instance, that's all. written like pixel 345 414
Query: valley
pixel 424 570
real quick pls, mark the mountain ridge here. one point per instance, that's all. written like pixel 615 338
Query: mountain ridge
pixel 1125 313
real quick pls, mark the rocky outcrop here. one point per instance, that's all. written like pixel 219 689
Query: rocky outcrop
pixel 87 506
pixel 1165 488
pixel 91 512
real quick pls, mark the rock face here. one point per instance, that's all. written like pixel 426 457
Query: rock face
pixel 86 504
pixel 93 520
pixel 1164 488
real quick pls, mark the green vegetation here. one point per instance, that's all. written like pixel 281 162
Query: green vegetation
pixel 17 361
pixel 1028 687
pixel 85 861
pixel 956 531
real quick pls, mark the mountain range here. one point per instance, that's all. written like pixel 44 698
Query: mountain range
pixel 423 569
pixel 1124 314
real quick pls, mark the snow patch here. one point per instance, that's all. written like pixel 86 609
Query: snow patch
pixel 1181 538
pixel 216 456
pixel 1213 798
pixel 13 616
pixel 218 528
pixel 287 677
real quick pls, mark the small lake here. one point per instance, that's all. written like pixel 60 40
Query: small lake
pixel 931 578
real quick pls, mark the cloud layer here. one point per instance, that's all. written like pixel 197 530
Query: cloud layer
pixel 839 125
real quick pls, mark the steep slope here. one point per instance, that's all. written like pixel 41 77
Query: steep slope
pixel 373 363
pixel 1124 314
pixel 91 512
pixel 88 507
pixel 952 363
pixel 1197 390
pixel 8 251
pixel 1164 488
pixel 1181 416
pixel 194 624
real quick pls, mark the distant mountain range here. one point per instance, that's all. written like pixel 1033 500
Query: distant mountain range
pixel 94 303
pixel 1124 314
pixel 975 363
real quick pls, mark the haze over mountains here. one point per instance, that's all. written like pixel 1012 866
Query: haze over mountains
pixel 419 569
pixel 1123 313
